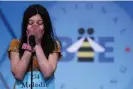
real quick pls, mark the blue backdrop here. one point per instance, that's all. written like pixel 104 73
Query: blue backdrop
pixel 108 66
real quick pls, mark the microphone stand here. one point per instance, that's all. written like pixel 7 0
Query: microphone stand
pixel 32 44
pixel 31 63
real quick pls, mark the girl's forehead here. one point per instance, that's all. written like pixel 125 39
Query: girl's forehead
pixel 35 17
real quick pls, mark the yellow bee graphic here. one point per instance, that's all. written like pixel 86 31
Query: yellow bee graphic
pixel 85 47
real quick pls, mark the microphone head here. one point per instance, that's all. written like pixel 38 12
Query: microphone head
pixel 32 41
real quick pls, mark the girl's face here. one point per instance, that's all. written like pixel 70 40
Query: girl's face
pixel 35 26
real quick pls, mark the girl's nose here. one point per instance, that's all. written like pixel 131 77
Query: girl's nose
pixel 35 26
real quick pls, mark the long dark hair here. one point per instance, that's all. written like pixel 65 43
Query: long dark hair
pixel 49 39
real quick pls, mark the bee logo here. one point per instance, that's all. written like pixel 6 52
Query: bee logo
pixel 85 46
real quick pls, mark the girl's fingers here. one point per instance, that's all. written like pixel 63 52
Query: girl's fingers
pixel 24 46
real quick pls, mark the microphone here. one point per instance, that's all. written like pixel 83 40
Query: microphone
pixel 32 41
